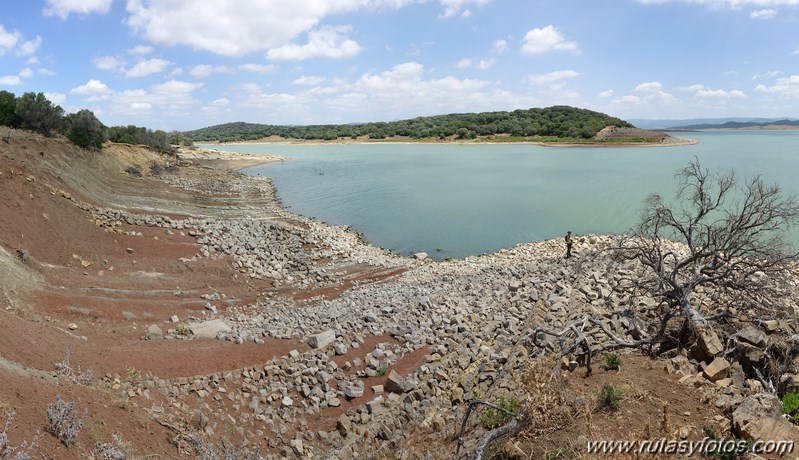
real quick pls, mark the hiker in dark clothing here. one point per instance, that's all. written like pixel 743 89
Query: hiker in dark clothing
pixel 568 239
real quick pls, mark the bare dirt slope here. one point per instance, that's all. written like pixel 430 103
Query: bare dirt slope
pixel 70 286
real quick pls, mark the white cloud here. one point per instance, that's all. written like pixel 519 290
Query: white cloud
pixel 63 8
pixel 328 42
pixel 258 68
pixel 14 41
pixel 205 70
pixel 649 94
pixel 10 80
pixel 768 75
pixel 540 41
pixel 455 7
pixel 703 92
pixel 221 102
pixel 763 14
pixel 93 90
pixel 148 67
pixel 481 64
pixel 402 91
pixel 29 47
pixel 500 46
pixel 606 94
pixel 310 80
pixel 46 72
pixel 56 98
pixel 241 27
pixel 140 50
pixel 113 63
pixel 551 78
pixel 731 4
pixel 26 73
pixel 783 87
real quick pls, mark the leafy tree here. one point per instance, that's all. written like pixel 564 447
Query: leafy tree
pixel 733 237
pixel 85 130
pixel 8 105
pixel 34 111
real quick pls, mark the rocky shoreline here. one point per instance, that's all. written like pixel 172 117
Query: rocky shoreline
pixel 448 332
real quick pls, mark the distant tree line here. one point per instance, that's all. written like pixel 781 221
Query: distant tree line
pixel 556 121
pixel 33 111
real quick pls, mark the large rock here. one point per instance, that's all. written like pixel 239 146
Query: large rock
pixel 396 383
pixel 352 389
pixel 760 417
pixel 753 336
pixel 209 329
pixel 717 370
pixel 154 333
pixel 322 339
pixel 709 342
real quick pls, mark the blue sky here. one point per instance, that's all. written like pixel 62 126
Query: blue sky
pixel 186 64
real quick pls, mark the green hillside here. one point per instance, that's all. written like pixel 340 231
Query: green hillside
pixel 556 121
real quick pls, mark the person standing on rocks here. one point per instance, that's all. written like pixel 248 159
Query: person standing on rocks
pixel 569 242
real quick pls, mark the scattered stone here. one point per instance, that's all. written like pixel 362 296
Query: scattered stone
pixel 322 339
pixel 395 383
pixel 717 370
pixel 209 329
pixel 154 333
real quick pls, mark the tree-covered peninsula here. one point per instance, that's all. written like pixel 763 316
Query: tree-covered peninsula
pixel 552 123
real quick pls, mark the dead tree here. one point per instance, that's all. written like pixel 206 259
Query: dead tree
pixel 730 237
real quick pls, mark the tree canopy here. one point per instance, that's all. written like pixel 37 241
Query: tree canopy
pixel 557 121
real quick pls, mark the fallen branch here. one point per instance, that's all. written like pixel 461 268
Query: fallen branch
pixel 471 407
pixel 493 435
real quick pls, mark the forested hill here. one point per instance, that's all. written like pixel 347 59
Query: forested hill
pixel 556 121
pixel 740 125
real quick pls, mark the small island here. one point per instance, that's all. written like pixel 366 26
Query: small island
pixel 552 126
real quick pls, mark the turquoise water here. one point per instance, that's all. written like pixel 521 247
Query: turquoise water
pixel 458 200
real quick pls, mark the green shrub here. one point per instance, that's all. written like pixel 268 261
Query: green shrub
pixel 8 106
pixel 493 418
pixel 609 397
pixel 35 112
pixel 84 129
pixel 790 405
pixel 612 362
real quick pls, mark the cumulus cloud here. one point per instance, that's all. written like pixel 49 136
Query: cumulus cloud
pixel 113 63
pixel 63 8
pixel 404 91
pixel 148 67
pixel 10 80
pixel 56 98
pixel 763 14
pixel 258 68
pixel 14 42
pixel 205 70
pixel 481 64
pixel 649 93
pixel 140 50
pixel 703 92
pixel 458 7
pixel 552 78
pixel 93 90
pixel 731 4
pixel 328 42
pixel 783 87
pixel 500 46
pixel 606 94
pixel 310 80
pixel 547 39
pixel 260 25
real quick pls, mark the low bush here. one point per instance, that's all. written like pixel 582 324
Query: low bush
pixel 64 422
pixel 609 397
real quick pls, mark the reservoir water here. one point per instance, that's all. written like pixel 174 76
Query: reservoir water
pixel 454 200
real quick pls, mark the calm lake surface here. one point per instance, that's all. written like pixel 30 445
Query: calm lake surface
pixel 460 200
